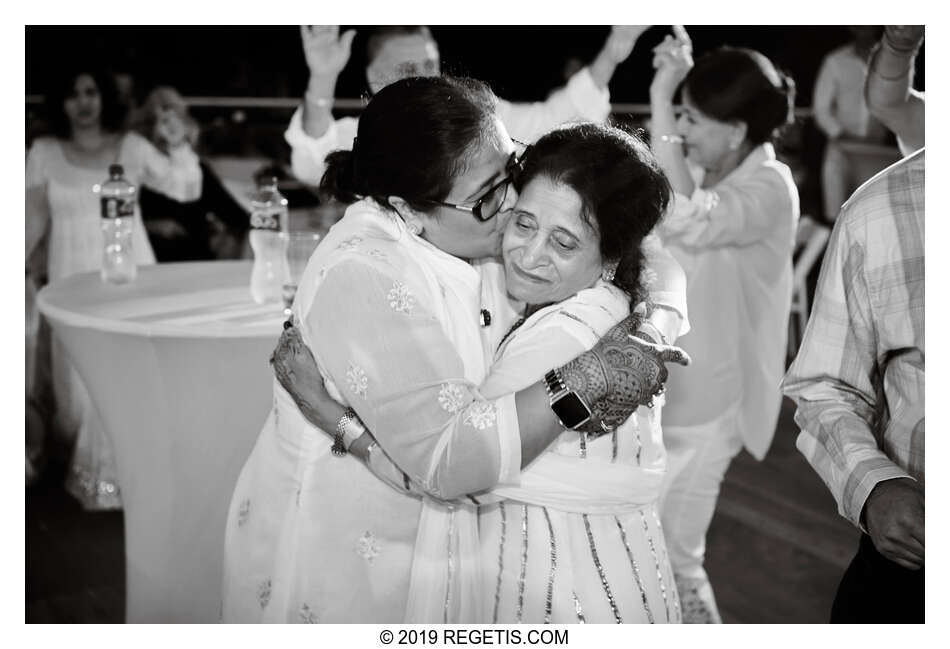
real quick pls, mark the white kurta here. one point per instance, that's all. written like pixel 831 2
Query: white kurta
pixel 584 512
pixel 580 99
pixel 735 244
pixel 581 541
pixel 394 325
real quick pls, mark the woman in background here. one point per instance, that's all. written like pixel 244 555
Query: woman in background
pixel 732 228
pixel 62 171
pixel 211 227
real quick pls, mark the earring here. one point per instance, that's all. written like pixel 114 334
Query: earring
pixel 414 227
pixel 609 272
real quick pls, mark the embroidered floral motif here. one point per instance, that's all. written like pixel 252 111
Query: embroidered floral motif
pixel 367 547
pixel 480 415
pixel 263 592
pixel 350 243
pixel 648 277
pixel 377 253
pixel 243 512
pixel 451 397
pixel 400 299
pixel 307 616
pixel 356 378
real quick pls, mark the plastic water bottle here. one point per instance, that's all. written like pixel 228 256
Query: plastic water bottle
pixel 268 219
pixel 117 198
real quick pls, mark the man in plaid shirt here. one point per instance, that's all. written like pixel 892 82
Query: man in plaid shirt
pixel 858 382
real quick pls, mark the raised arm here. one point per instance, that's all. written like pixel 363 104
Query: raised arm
pixel 327 53
pixel 889 85
pixel 615 51
pixel 585 97
pixel 312 132
pixel 672 60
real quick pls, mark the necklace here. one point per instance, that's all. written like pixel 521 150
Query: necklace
pixel 518 323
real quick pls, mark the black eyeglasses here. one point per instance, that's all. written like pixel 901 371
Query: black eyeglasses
pixel 489 203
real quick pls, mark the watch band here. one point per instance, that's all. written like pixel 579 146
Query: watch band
pixel 554 384
pixel 568 406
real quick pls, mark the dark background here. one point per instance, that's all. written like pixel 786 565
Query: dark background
pixel 520 62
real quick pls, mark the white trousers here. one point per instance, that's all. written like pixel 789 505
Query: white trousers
pixel 697 459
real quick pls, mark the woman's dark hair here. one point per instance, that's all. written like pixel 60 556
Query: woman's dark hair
pixel 730 84
pixel 112 117
pixel 623 191
pixel 414 139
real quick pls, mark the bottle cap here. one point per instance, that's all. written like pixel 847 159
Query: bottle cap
pixel 115 170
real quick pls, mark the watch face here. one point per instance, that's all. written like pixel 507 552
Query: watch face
pixel 571 410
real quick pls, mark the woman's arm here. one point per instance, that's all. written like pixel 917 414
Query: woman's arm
pixel 823 101
pixel 672 60
pixel 432 423
pixel 734 214
pixel 889 85
pixel 37 203
pixel 404 378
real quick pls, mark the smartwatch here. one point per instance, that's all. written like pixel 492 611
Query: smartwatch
pixel 568 406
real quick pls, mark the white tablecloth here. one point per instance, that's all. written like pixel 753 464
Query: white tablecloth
pixel 177 364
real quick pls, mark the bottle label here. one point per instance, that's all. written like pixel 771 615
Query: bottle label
pixel 114 207
pixel 264 221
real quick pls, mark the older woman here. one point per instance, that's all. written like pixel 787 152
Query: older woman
pixel 578 538
pixel 394 314
pixel 61 172
pixel 732 227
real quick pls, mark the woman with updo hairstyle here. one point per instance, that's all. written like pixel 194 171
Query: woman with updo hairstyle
pixel 399 312
pixel 732 227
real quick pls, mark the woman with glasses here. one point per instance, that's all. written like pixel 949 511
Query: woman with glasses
pixel 579 538
pixel 403 325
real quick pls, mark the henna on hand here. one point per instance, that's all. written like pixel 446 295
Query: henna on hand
pixel 621 373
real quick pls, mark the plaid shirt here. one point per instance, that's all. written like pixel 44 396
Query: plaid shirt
pixel 858 379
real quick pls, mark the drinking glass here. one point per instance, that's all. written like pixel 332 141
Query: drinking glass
pixel 299 246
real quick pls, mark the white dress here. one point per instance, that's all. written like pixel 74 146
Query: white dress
pixel 599 555
pixel 394 325
pixel 75 246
